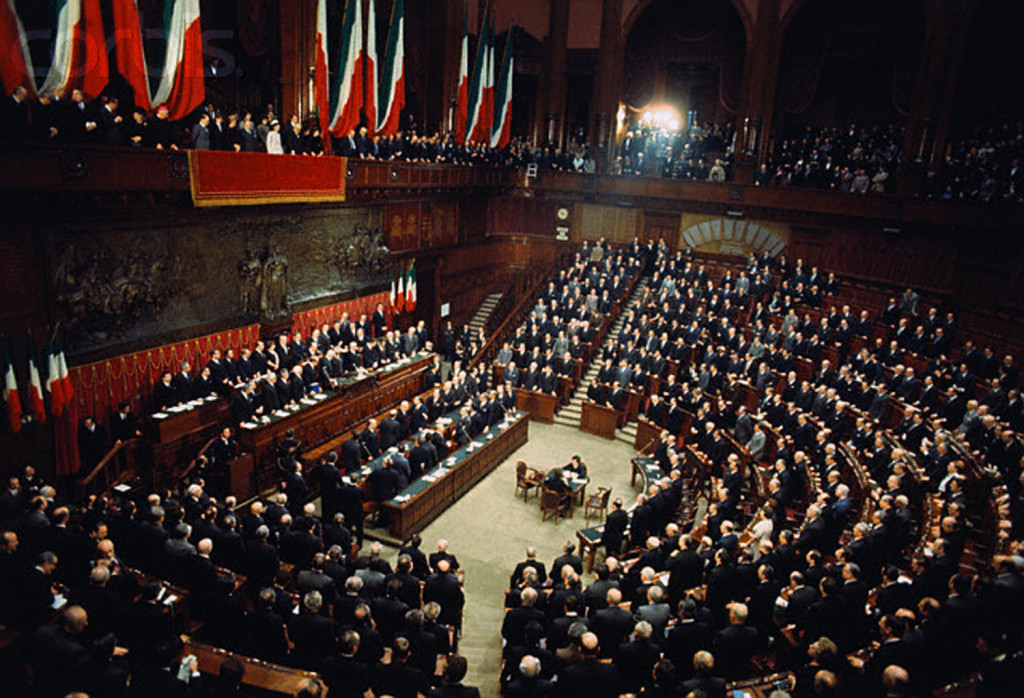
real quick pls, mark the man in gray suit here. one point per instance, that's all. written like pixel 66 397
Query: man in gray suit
pixel 200 138
pixel 756 442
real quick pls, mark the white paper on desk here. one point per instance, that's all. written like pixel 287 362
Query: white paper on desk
pixel 490 436
pixel 450 461
pixel 320 396
pixel 247 425
pixel 211 397
pixel 308 401
pixel 160 415
pixel 280 413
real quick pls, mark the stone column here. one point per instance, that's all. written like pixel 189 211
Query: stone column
pixel 760 85
pixel 945 34
pixel 551 100
pixel 607 86
pixel 297 33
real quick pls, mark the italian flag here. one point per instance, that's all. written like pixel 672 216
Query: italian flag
pixel 79 55
pixel 370 86
pixel 320 94
pixel 392 78
pixel 393 296
pixel 347 98
pixel 462 102
pixel 400 293
pixel 181 86
pixel 501 132
pixel 36 388
pixel 481 89
pixel 410 287
pixel 11 391
pixel 58 381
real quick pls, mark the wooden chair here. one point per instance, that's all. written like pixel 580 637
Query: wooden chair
pixel 527 479
pixel 598 503
pixel 552 503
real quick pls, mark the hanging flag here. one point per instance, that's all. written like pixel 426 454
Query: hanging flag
pixel 410 287
pixel 501 133
pixel 400 293
pixel 462 102
pixel 35 386
pixel 181 86
pixel 320 75
pixel 53 382
pixel 370 98
pixel 66 389
pixel 476 83
pixel 79 55
pixel 11 391
pixel 392 78
pixel 487 118
pixel 392 297
pixel 347 91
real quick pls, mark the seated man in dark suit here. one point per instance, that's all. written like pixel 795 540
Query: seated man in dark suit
pixel 576 468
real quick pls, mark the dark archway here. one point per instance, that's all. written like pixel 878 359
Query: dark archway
pixel 990 86
pixel 685 53
pixel 849 62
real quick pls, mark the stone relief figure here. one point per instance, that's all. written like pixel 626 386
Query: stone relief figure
pixel 250 273
pixel 274 302
pixel 103 291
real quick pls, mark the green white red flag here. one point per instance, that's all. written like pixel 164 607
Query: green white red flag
pixel 347 88
pixel 35 387
pixel 79 53
pixel 392 75
pixel 462 102
pixel 501 133
pixel 181 87
pixel 410 287
pixel 11 396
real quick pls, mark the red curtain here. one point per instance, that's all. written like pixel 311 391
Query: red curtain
pixel 100 387
pixel 307 321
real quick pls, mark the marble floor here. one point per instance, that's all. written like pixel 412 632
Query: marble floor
pixel 489 530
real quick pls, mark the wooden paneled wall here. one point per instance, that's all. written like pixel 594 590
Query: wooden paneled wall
pixel 420 224
pixel 522 216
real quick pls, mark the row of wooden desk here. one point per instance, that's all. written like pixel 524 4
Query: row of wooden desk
pixel 648 470
pixel 354 401
pixel 425 499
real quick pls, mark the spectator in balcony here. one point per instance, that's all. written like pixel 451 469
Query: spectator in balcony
pixel 135 130
pixel 717 172
pixel 14 116
pixel 160 132
pixel 274 143
pixel 200 138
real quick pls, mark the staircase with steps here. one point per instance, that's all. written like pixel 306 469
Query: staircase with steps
pixel 569 415
pixel 483 313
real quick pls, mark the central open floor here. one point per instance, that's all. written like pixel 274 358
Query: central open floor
pixel 490 528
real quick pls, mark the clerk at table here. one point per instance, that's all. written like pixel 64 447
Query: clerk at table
pixel 576 468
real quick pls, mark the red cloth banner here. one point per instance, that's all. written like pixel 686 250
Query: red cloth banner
pixel 250 179
pixel 307 321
